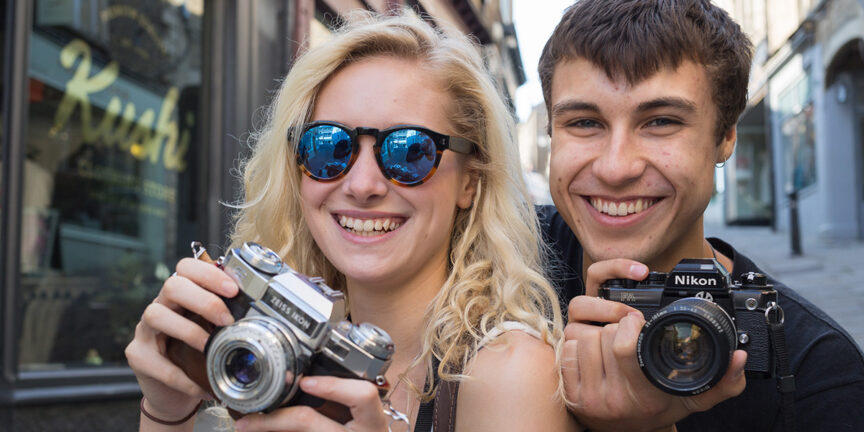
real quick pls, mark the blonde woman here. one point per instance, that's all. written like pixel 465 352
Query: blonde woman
pixel 402 189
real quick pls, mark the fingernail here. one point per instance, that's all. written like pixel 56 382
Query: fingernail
pixel 636 314
pixel 638 270
pixel 240 425
pixel 229 288
pixel 309 382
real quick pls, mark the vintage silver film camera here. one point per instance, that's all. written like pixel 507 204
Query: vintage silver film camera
pixel 696 318
pixel 287 326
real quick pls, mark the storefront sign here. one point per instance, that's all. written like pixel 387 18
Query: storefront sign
pixel 157 139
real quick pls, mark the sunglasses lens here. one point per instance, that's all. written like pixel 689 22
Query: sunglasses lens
pixel 408 155
pixel 325 151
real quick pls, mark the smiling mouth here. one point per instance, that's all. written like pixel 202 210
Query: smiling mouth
pixel 369 227
pixel 622 208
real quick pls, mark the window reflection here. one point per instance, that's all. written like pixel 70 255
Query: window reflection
pixel 109 178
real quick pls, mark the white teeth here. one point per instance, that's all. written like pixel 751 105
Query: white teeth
pixel 367 227
pixel 623 208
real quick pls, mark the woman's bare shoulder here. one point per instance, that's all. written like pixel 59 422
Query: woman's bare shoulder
pixel 513 384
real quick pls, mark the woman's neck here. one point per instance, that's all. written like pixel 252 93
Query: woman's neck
pixel 399 308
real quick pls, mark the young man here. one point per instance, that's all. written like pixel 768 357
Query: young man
pixel 643 97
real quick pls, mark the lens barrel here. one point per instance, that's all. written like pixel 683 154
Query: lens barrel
pixel 686 347
pixel 254 364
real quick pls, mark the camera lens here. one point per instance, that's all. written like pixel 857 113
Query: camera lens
pixel 254 364
pixel 686 347
pixel 684 351
pixel 242 366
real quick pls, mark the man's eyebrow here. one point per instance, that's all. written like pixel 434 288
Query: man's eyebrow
pixel 573 105
pixel 667 102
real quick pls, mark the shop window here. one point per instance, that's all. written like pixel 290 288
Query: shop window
pixel 110 177
pixel 3 187
pixel 797 135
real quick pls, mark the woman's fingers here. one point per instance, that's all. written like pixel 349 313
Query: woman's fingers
pixel 207 276
pixel 361 397
pixel 145 362
pixel 180 292
pixel 294 419
pixel 161 319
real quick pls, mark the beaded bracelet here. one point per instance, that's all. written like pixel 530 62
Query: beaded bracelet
pixel 167 422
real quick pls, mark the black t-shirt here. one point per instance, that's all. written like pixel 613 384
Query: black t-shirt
pixel 827 364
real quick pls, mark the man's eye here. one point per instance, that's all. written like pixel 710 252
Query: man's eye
pixel 663 121
pixel 583 123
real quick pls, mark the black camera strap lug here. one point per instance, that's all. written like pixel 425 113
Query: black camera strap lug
pixel 785 378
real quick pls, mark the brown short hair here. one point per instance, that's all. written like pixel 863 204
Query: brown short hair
pixel 634 39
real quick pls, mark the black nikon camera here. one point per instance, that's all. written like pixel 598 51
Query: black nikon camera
pixel 696 318
pixel 287 326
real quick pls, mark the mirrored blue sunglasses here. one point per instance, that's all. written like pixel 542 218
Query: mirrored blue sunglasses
pixel 407 155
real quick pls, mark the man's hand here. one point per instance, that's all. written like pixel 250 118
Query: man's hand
pixel 604 384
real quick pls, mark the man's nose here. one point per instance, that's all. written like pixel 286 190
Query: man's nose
pixel 621 159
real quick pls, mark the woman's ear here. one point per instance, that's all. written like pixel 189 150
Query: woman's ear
pixel 467 190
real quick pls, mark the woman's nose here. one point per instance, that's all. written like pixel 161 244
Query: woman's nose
pixel 364 181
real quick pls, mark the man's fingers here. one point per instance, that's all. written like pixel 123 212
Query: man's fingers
pixel 731 385
pixel 619 268
pixel 570 371
pixel 587 309
pixel 592 371
pixel 624 347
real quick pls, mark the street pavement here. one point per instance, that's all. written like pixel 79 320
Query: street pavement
pixel 829 274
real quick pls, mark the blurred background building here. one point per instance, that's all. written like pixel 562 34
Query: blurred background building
pixel 122 125
pixel 803 130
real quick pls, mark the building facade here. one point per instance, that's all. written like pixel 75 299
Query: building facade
pixel 803 132
pixel 123 123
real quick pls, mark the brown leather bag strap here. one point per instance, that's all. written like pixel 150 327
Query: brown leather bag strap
pixel 444 414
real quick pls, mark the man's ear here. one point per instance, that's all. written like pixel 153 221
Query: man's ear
pixel 467 190
pixel 727 145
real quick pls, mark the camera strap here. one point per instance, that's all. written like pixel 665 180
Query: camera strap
pixel 785 378
pixel 438 414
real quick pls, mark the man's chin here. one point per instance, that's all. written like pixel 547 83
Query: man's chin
pixel 631 252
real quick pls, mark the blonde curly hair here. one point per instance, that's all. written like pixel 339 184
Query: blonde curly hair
pixel 495 270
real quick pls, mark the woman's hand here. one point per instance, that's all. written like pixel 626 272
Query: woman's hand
pixel 169 394
pixel 360 396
